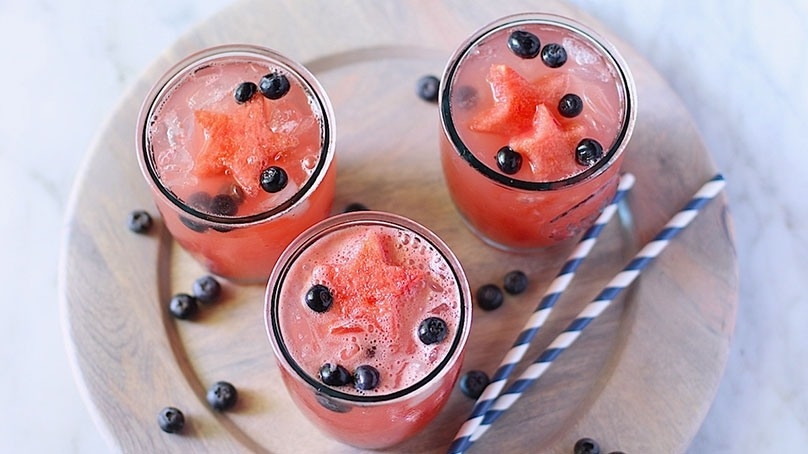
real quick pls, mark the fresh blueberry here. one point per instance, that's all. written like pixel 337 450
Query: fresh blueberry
pixel 465 97
pixel 366 377
pixel 273 179
pixel 223 205
pixel 334 375
pixel 274 85
pixel 524 44
pixel 586 446
pixel 509 160
pixel 554 55
pixel 355 206
pixel 331 404
pixel 515 282
pixel 473 383
pixel 171 420
pixel 206 289
pixel 489 297
pixel 183 306
pixel 588 152
pixel 222 396
pixel 432 330
pixel 193 225
pixel 570 105
pixel 244 92
pixel 427 88
pixel 319 298
pixel 140 221
pixel 199 201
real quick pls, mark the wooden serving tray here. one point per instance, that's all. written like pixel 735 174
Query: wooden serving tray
pixel 641 377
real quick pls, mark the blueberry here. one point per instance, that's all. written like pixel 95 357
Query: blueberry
pixel 319 298
pixel 193 225
pixel 331 404
pixel 244 92
pixel 473 383
pixel 427 88
pixel 171 420
pixel 183 306
pixel 274 85
pixel 554 55
pixel 515 282
pixel 524 44
pixel 465 97
pixel 223 205
pixel 509 160
pixel 273 179
pixel 355 206
pixel 432 330
pixel 586 446
pixel 206 289
pixel 570 105
pixel 489 297
pixel 588 152
pixel 140 221
pixel 366 377
pixel 199 201
pixel 222 396
pixel 334 375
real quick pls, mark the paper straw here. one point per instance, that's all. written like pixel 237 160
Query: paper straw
pixel 601 302
pixel 537 319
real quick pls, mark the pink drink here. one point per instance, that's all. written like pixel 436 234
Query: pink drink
pixel 203 151
pixel 386 275
pixel 567 115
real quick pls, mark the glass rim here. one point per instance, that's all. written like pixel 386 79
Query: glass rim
pixel 161 90
pixel 596 40
pixel 334 224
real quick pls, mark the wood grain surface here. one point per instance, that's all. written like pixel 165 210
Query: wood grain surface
pixel 640 378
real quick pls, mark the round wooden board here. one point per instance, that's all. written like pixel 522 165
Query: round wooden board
pixel 640 378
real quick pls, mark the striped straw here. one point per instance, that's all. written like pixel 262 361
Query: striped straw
pixel 537 319
pixel 601 302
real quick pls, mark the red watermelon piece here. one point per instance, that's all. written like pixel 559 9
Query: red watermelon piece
pixel 370 288
pixel 240 143
pixel 549 145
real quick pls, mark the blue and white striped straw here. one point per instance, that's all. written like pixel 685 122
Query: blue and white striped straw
pixel 537 319
pixel 601 302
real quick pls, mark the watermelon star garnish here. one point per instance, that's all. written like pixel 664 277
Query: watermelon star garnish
pixel 549 146
pixel 369 289
pixel 241 143
pixel 515 100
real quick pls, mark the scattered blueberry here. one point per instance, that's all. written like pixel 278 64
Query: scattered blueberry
pixel 489 297
pixel 570 105
pixel 586 446
pixel 355 206
pixel 524 44
pixel 509 160
pixel 273 179
pixel 319 298
pixel 334 375
pixel 244 92
pixel 515 282
pixel 140 221
pixel 222 396
pixel 183 306
pixel 588 152
pixel 473 383
pixel 427 88
pixel 223 205
pixel 171 420
pixel 432 330
pixel 274 85
pixel 206 289
pixel 553 55
pixel 465 97
pixel 366 377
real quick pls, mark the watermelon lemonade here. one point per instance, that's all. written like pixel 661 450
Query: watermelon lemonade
pixel 368 314
pixel 536 111
pixel 237 145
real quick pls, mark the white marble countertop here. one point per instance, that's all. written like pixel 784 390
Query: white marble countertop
pixel 739 68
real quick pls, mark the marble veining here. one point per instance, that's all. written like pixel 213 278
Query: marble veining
pixel 739 69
